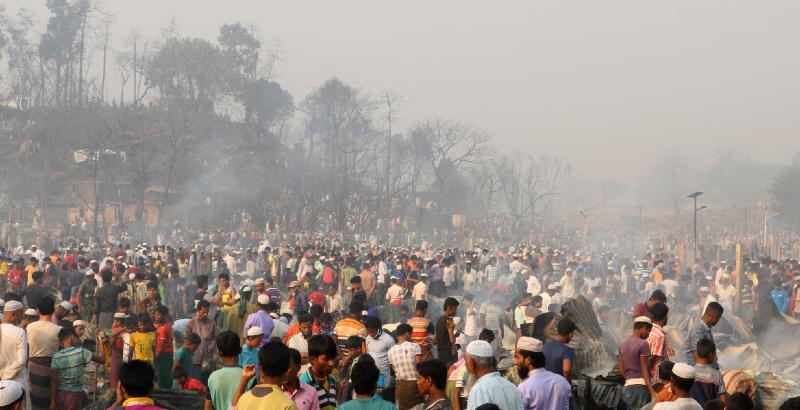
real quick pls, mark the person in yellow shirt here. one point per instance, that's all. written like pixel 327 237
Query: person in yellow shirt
pixel 143 342
pixel 273 359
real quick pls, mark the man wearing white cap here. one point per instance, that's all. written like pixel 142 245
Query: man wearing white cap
pixel 261 319
pixel 489 387
pixel 540 389
pixel 12 395
pixel 726 293
pixel 13 345
pixel 682 380
pixel 547 296
pixel 634 364
pixel 705 298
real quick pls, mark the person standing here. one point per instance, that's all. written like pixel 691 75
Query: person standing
pixel 711 316
pixel 682 380
pixel 68 366
pixel 35 291
pixel 364 377
pixel 13 345
pixel 431 383
pixel 404 357
pixel 274 359
pixel 634 360
pixel 378 344
pixel 42 345
pixel 657 340
pixel 394 299
pixel 222 383
pixel 106 301
pixel 205 354
pixel 559 357
pixel 445 333
pixel 540 389
pixel 261 319
pixel 86 301
pixel 421 328
pixel 489 387
pixel 322 354
pixel 164 356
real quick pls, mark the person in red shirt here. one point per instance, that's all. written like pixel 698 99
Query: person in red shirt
pixel 316 297
pixel 328 274
pixel 163 364
pixel 643 309
pixel 17 276
pixel 188 383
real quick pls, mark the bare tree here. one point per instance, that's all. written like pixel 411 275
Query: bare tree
pixel 448 147
pixel 528 184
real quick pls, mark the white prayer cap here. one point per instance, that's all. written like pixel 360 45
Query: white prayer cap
pixel 259 281
pixel 683 370
pixel 643 319
pixel 2 303
pixel 92 261
pixel 89 273
pixel 12 306
pixel 246 288
pixel 31 312
pixel 10 392
pixel 78 323
pixel 704 289
pixel 66 306
pixel 255 331
pixel 552 286
pixel 708 277
pixel 131 276
pixel 529 344
pixel 726 276
pixel 120 315
pixel 262 299
pixel 480 348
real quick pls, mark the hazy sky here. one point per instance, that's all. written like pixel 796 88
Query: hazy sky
pixel 607 85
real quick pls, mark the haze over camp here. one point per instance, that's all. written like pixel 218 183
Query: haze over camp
pixel 393 205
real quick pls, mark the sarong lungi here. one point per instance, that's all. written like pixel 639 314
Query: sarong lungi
pixel 39 376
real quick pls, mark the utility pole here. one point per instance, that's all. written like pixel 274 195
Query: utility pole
pixel 694 198
pixel 585 214
pixel 767 217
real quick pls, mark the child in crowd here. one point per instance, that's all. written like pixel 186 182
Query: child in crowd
pixel 708 383
pixel 183 357
pixel 223 382
pixel 249 353
pixel 187 383
pixel 143 342
pixel 68 366
pixel 665 375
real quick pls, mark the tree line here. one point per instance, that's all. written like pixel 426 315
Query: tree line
pixel 181 122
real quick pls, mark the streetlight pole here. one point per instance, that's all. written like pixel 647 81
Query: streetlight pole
pixel 694 241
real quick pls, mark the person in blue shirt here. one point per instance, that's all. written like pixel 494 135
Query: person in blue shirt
pixel 249 354
pixel 779 295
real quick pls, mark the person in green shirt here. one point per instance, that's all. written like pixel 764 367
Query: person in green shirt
pixel 183 357
pixel 222 383
pixel 364 377
pixel 67 369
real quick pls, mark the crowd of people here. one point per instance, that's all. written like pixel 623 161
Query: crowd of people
pixel 326 325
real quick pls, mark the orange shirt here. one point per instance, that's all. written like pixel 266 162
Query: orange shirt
pixel 295 329
pixel 666 394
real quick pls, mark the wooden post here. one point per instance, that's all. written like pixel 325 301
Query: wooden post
pixel 739 273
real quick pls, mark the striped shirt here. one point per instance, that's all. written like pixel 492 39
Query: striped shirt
pixel 70 363
pixel 349 327
pixel 326 392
